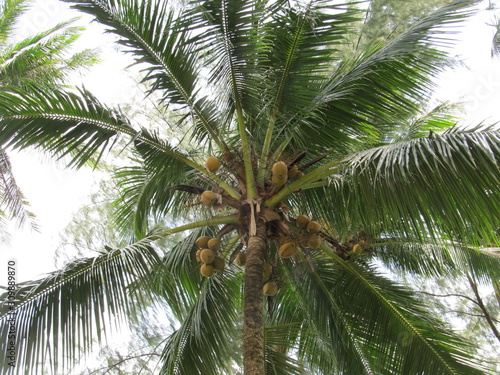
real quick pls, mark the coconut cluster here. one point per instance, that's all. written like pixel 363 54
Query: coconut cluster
pixel 207 255
pixel 310 237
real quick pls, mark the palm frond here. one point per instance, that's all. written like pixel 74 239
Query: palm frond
pixel 386 83
pixel 392 327
pixel 63 314
pixel 442 186
pixel 39 59
pixel 60 122
pixel 209 331
pixel 10 10
pixel 146 189
pixel 327 337
pixel 12 199
pixel 159 36
pixel 437 260
pixel 304 38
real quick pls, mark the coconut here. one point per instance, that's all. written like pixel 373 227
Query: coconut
pixel 287 249
pixel 268 269
pixel 280 173
pixel 214 244
pixel 207 256
pixel 279 180
pixel 207 270
pixel 314 241
pixel 357 248
pixel 208 198
pixel 218 264
pixel 212 164
pixel 270 288
pixel 299 175
pixel 280 169
pixel 313 227
pixel 241 259
pixel 202 242
pixel 198 255
pixel 302 221
pixel 292 172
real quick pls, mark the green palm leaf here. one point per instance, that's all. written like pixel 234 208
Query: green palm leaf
pixel 385 83
pixel 441 186
pixel 209 312
pixel 161 38
pixel 68 310
pixel 388 330
pixel 61 122
pixel 12 199
pixel 10 11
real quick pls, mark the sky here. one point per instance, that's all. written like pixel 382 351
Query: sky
pixel 55 193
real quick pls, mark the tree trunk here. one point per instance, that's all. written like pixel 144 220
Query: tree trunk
pixel 253 322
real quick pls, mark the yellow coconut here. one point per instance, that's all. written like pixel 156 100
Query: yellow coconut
pixel 202 242
pixel 313 227
pixel 270 288
pixel 287 249
pixel 268 269
pixel 302 221
pixel 314 241
pixel 357 248
pixel 241 259
pixel 208 198
pixel 207 256
pixel 212 164
pixel 218 264
pixel 299 175
pixel 207 270
pixel 214 244
pixel 198 255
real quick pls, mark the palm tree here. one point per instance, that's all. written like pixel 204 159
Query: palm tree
pixel 321 168
pixel 41 61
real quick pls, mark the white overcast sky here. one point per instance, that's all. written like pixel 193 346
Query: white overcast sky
pixel 56 193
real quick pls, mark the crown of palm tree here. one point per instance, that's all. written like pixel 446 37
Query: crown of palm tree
pixel 301 124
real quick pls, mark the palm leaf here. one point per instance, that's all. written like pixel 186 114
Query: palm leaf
pixel 208 310
pixel 70 309
pixel 442 186
pixel 442 260
pixel 366 94
pixel 38 59
pixel 10 10
pixel 60 122
pixel 12 198
pixel 159 37
pixel 327 338
pixel 305 39
pixel 424 344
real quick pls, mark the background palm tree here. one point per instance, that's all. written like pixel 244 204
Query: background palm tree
pixel 261 85
pixel 41 61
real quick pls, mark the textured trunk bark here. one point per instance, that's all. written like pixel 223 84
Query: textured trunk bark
pixel 253 322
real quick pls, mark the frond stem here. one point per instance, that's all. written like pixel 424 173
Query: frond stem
pixel 197 224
